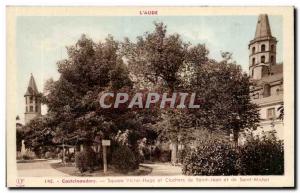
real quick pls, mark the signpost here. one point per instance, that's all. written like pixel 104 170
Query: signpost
pixel 105 143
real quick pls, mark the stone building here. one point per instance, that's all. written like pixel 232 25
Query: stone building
pixel 32 101
pixel 267 76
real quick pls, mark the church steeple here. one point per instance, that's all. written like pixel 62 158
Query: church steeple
pixel 262 49
pixel 32 88
pixel 263 27
pixel 32 101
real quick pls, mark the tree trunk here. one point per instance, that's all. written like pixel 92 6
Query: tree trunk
pixel 174 153
pixel 235 137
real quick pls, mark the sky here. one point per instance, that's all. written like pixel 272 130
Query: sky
pixel 41 40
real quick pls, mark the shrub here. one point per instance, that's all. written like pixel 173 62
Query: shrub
pixel 262 157
pixel 124 159
pixel 165 156
pixel 28 155
pixel 256 157
pixel 86 160
pixel 156 153
pixel 183 153
pixel 212 159
pixel 49 155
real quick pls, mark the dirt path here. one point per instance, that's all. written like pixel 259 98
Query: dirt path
pixel 39 169
pixel 164 169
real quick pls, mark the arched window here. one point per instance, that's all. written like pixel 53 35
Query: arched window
pixel 253 61
pixel 253 50
pixel 272 59
pixel 263 47
pixel 267 90
pixel 272 48
pixel 262 59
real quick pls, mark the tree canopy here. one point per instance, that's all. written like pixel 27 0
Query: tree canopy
pixel 155 61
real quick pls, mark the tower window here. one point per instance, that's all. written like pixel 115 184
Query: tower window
pixel 267 90
pixel 26 109
pixel 31 99
pixel 26 100
pixel 272 48
pixel 253 61
pixel 272 59
pixel 263 59
pixel 263 47
pixel 31 108
pixel 253 50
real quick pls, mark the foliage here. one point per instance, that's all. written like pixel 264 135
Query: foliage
pixel 74 114
pixel 19 137
pixel 211 159
pixel 156 61
pixel 28 155
pixel 124 159
pixel 262 157
pixel 256 157
pixel 224 91
pixel 50 155
pixel 86 160
pixel 183 153
pixel 165 156
pixel 281 112
pixel 165 61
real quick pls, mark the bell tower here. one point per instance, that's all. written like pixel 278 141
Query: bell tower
pixel 32 101
pixel 262 49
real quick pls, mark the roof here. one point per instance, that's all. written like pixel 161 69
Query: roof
pixel 275 77
pixel 263 27
pixel 32 88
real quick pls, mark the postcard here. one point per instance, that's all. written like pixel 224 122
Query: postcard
pixel 150 97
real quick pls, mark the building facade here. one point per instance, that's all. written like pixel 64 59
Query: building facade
pixel 267 78
pixel 32 101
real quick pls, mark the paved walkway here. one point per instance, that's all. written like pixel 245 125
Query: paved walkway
pixel 164 169
pixel 39 169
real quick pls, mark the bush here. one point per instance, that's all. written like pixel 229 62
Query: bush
pixel 28 155
pixel 256 157
pixel 183 153
pixel 262 157
pixel 156 153
pixel 165 156
pixel 49 155
pixel 86 160
pixel 124 159
pixel 211 160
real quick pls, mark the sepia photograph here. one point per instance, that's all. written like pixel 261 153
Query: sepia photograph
pixel 150 97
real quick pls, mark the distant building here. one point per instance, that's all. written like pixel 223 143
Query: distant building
pixel 267 76
pixel 32 101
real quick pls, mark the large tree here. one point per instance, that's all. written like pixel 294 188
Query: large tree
pixel 72 100
pixel 158 60
pixel 165 61
pixel 225 97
